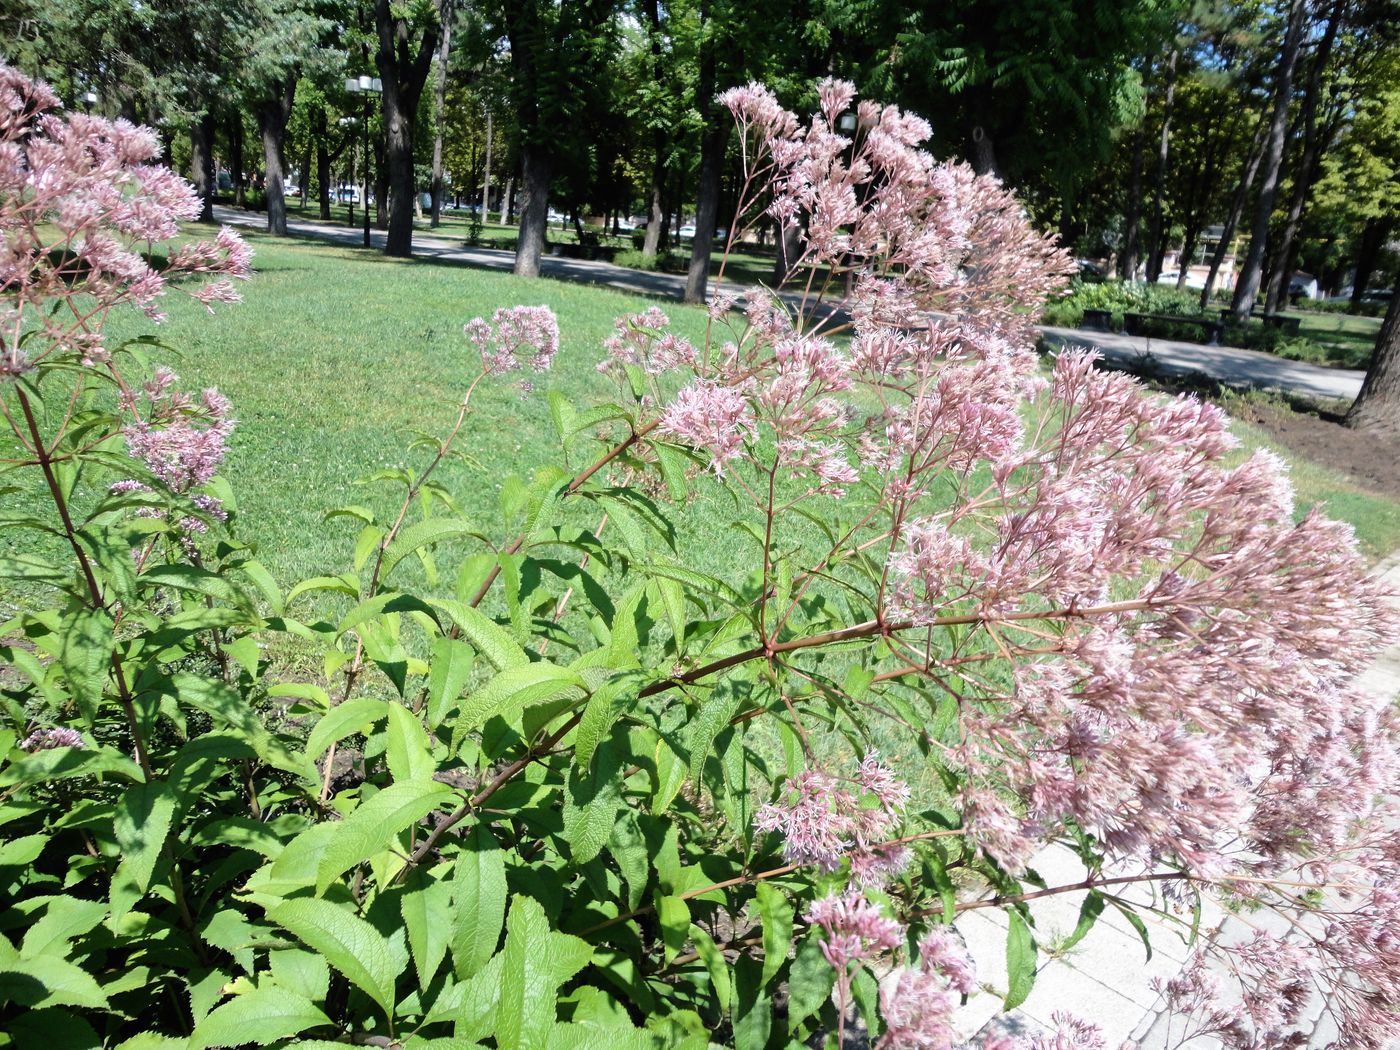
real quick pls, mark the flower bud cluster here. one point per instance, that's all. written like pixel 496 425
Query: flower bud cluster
pixel 82 205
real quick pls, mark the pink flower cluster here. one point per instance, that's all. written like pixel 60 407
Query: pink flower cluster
pixel 643 340
pixel 182 440
pixel 82 206
pixel 823 820
pixel 854 931
pixel 48 739
pixel 515 336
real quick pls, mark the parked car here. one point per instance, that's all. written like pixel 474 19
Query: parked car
pixel 686 233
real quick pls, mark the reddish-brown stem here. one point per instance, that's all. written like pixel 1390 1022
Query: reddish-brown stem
pixel 41 452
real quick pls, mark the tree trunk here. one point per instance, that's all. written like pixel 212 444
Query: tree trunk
pixel 439 111
pixel 273 114
pixel 1155 248
pixel 304 177
pixel 1377 407
pixel 1373 238
pixel 789 245
pixel 323 161
pixel 508 205
pixel 537 167
pixel 1281 277
pixel 1247 288
pixel 1128 257
pixel 486 173
pixel 656 214
pixel 202 164
pixel 235 149
pixel 984 155
pixel 711 160
pixel 1232 220
pixel 404 73
pixel 706 210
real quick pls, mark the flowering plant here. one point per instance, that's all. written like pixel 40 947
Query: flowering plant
pixel 592 794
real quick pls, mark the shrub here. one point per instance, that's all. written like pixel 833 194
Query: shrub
pixel 587 793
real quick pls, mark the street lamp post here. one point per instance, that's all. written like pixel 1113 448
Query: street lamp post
pixel 365 86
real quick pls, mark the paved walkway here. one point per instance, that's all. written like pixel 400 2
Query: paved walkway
pixel 1234 367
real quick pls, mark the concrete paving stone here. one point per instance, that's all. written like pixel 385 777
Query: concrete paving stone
pixel 1064 988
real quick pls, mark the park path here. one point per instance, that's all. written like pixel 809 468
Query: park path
pixel 1106 977
pixel 1231 366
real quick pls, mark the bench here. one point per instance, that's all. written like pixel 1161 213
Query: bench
pixel 1100 320
pixel 1136 324
pixel 1287 325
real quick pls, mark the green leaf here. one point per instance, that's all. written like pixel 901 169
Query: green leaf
pixel 347 942
pixel 592 799
pixel 64 919
pixel 1020 960
pixel 426 909
pixel 753 1010
pixel 1089 913
pixel 353 716
pixel 809 983
pixel 714 962
pixel 261 1016
pixel 85 654
pixel 21 852
pixel 491 639
pixel 422 534
pixel 673 915
pixel 516 688
pixel 1135 921
pixel 61 763
pixel 777 912
pixel 374 825
pixel 47 980
pixel 408 751
pixel 300 971
pixel 536 961
pixel 478 901
pixel 604 708
pixel 141 824
pixel 451 666
pixel 346 584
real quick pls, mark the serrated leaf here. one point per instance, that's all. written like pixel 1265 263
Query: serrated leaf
pixel 300 971
pixel 451 667
pixel 1089 913
pixel 515 688
pixel 810 981
pixel 426 905
pixel 344 720
pixel 535 962
pixel 715 964
pixel 420 535
pixel 673 916
pixel 408 750
pixel 374 825
pixel 64 919
pixel 261 1016
pixel 592 799
pixel 776 911
pixel 351 945
pixel 140 824
pixel 1135 921
pixel 48 980
pixel 491 639
pixel 1020 960
pixel 478 901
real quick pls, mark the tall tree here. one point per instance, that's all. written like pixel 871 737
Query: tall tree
pixel 1271 162
pixel 1377 407
pixel 407 40
pixel 1305 172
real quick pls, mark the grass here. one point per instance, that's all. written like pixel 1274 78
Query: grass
pixel 339 357
pixel 1347 338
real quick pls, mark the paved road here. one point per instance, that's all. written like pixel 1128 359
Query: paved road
pixel 1234 367
pixel 1106 977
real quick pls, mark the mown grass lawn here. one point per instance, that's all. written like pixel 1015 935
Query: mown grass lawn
pixel 1348 339
pixel 338 358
